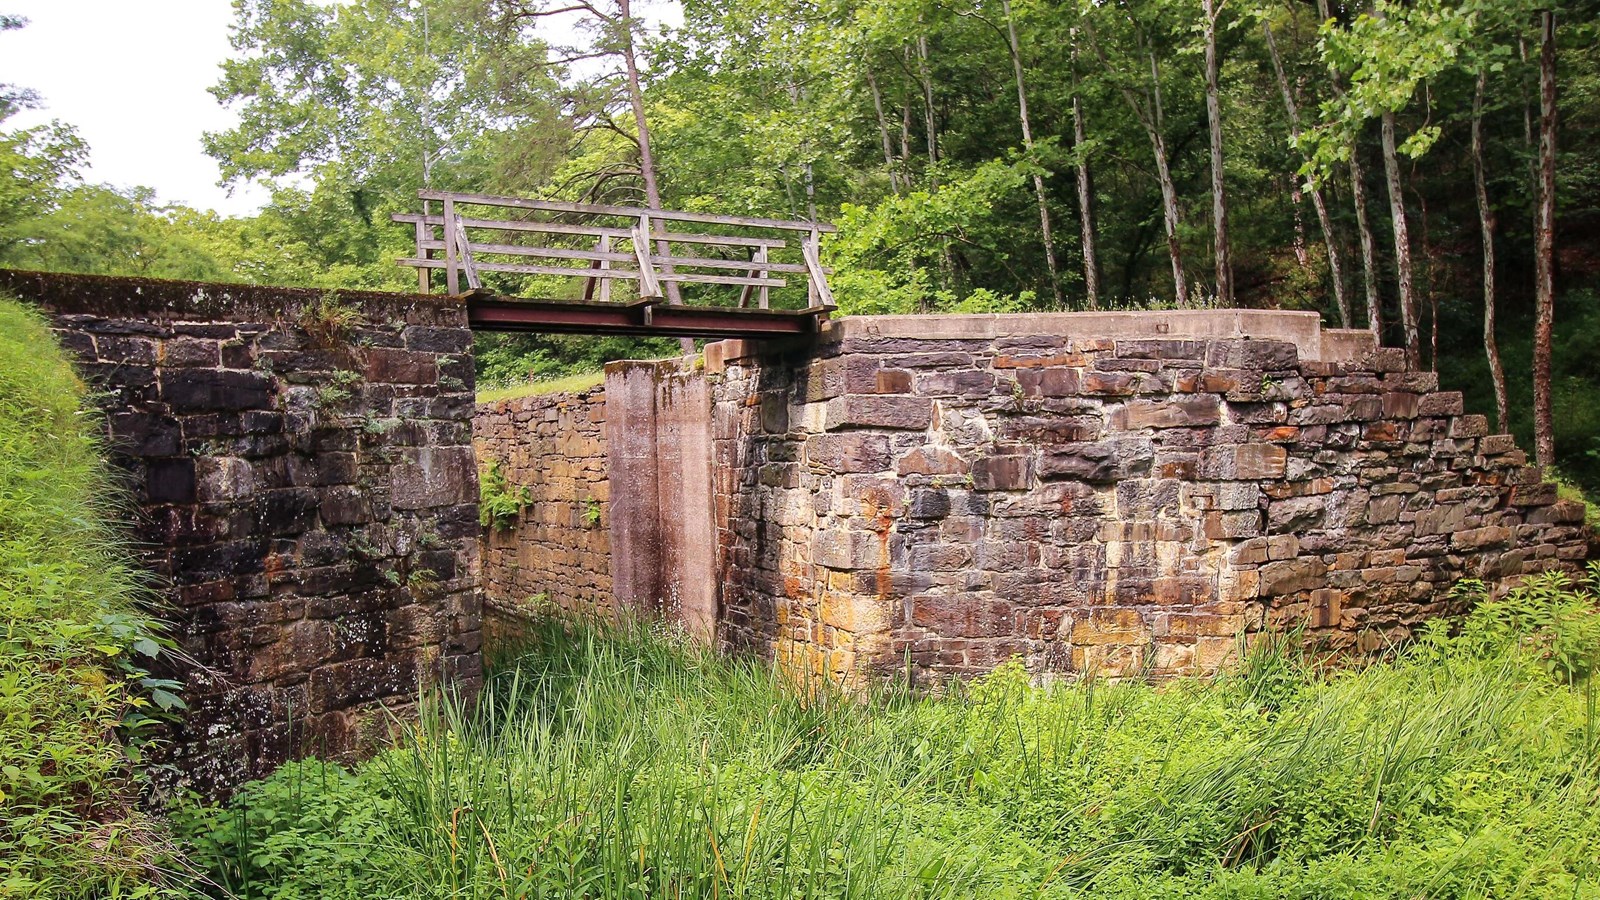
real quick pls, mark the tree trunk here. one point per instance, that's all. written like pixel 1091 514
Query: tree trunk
pixel 1358 190
pixel 883 131
pixel 1335 265
pixel 1219 199
pixel 1027 143
pixel 1544 440
pixel 1152 118
pixel 1369 244
pixel 647 160
pixel 1169 192
pixel 926 78
pixel 1491 347
pixel 1402 244
pixel 1091 257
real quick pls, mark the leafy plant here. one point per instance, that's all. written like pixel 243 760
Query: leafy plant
pixel 328 319
pixel 591 513
pixel 77 698
pixel 499 501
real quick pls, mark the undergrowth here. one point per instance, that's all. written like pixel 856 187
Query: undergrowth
pixel 622 761
pixel 74 694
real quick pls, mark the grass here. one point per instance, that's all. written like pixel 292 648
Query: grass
pixel 622 761
pixel 73 640
pixel 567 384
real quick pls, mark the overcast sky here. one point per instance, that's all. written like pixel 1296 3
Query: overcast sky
pixel 131 76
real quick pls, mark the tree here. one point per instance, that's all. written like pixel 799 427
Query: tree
pixel 1143 97
pixel 1219 198
pixel 1324 221
pixel 36 164
pixel 1544 245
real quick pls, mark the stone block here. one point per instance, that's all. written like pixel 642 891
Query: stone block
pixel 1292 575
pixel 932 461
pixel 1442 403
pixel 1004 472
pixel 1186 412
pixel 425 477
pixel 893 412
pixel 1097 463
pixel 210 390
pixel 848 452
pixel 400 366
pixel 1244 462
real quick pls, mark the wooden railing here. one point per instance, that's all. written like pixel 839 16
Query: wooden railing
pixel 638 246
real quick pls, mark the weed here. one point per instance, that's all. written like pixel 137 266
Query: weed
pixel 500 502
pixel 328 319
pixel 591 513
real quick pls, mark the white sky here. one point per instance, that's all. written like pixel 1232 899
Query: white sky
pixel 131 76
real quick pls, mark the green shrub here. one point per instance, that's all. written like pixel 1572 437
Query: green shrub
pixel 74 695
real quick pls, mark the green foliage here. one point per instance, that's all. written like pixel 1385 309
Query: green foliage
pixel 328 319
pixel 1553 616
pixel 625 761
pixel 499 501
pixel 75 694
pixel 591 513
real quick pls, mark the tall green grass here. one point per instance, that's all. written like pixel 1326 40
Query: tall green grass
pixel 621 761
pixel 71 637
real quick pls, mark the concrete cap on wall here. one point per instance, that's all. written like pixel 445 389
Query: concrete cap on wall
pixel 1303 329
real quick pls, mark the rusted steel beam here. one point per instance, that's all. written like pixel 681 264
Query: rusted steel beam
pixel 488 312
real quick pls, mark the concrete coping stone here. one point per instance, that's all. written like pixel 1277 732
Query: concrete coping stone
pixel 1303 329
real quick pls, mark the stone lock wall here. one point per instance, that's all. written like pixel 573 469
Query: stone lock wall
pixel 559 548
pixel 1117 493
pixel 303 482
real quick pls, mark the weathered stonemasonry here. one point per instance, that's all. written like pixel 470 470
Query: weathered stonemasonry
pixel 554 446
pixel 1106 493
pixel 302 470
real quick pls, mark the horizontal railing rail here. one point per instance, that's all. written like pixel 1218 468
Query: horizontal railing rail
pixel 641 252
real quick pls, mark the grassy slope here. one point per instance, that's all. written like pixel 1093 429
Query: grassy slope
pixel 620 763
pixel 579 382
pixel 69 621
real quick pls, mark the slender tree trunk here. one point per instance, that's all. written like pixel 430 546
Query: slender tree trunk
pixel 1369 244
pixel 1329 239
pixel 883 131
pixel 1358 191
pixel 1152 118
pixel 647 160
pixel 1027 142
pixel 1544 440
pixel 926 77
pixel 1169 191
pixel 1301 255
pixel 1402 244
pixel 1219 199
pixel 1091 260
pixel 1486 223
pixel 905 137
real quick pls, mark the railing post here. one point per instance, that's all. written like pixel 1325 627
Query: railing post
pixel 452 279
pixel 648 285
pixel 424 234
pixel 604 246
pixel 816 282
pixel 765 296
pixel 464 250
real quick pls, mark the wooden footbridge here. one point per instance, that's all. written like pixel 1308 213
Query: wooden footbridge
pixel 551 266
